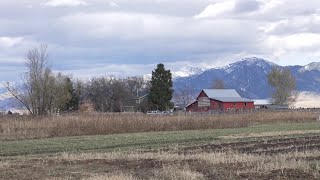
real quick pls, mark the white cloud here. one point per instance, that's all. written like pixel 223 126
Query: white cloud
pixel 269 28
pixel 113 4
pixel 112 32
pixel 136 26
pixel 10 41
pixel 56 3
pixel 270 5
pixel 295 42
pixel 126 26
pixel 214 10
pixel 293 25
pixel 117 70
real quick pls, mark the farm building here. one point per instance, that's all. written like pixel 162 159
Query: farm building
pixel 262 103
pixel 220 100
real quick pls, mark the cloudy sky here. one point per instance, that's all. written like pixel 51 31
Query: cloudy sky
pixel 129 37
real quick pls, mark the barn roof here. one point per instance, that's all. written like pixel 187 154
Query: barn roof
pixel 218 93
pixel 232 99
pixel 225 95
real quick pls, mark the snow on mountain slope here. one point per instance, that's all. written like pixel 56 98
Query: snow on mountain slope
pixel 8 103
pixel 6 99
pixel 315 66
pixel 188 70
pixel 249 77
pixel 5 95
pixel 247 62
pixel 147 77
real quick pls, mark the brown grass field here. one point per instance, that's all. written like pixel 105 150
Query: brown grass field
pixel 27 127
pixel 279 145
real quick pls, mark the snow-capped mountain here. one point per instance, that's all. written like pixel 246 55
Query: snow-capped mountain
pixel 5 95
pixel 147 77
pixel 2 88
pixel 186 71
pixel 249 77
pixel 6 100
pixel 264 64
pixel 315 66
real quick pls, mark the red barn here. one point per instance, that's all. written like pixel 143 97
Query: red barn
pixel 220 100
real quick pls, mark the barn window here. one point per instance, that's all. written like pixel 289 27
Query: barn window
pixel 234 104
pixel 245 104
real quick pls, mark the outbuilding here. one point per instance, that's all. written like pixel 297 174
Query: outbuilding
pixel 219 100
pixel 262 103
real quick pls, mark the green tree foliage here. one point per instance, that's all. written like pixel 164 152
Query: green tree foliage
pixel 60 92
pixel 284 85
pixel 74 102
pixel 161 88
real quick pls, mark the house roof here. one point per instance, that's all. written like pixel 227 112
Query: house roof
pixel 221 93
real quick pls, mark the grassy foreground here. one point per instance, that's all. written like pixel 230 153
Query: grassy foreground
pixel 145 141
pixel 270 151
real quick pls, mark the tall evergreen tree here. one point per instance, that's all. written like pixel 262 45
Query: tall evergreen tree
pixel 161 88
pixel 73 104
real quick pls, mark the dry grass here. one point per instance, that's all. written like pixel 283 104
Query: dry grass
pixel 241 162
pixel 170 165
pixel 177 172
pixel 270 134
pixel 4 164
pixel 251 162
pixel 27 127
pixel 119 176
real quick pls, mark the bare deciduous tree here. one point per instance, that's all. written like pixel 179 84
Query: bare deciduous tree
pixel 109 94
pixel 218 84
pixel 41 92
pixel 100 94
pixel 135 84
pixel 184 94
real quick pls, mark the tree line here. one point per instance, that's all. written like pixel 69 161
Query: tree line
pixel 44 92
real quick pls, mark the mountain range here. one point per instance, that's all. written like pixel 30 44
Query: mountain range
pixel 249 77
pixel 6 100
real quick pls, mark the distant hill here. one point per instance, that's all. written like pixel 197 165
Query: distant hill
pixel 249 77
pixel 7 101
